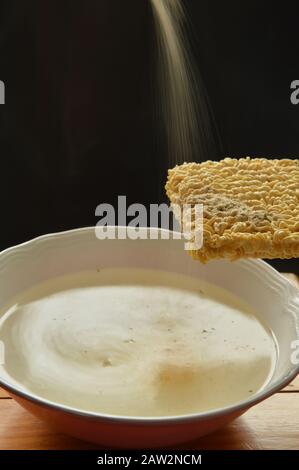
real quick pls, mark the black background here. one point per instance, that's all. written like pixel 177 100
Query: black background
pixel 79 127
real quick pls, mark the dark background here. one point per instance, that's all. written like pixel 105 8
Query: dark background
pixel 79 126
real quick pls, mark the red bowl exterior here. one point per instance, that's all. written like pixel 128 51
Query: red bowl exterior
pixel 123 434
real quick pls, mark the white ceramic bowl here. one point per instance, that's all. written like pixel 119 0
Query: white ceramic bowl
pixel 270 294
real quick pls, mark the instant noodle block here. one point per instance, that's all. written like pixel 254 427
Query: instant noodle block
pixel 250 206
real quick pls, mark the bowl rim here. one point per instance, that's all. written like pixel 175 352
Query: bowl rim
pixel 236 408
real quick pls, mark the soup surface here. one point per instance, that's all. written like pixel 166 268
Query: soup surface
pixel 135 343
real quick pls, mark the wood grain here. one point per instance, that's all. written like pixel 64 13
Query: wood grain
pixel 3 393
pixel 293 387
pixel 273 424
pixel 21 430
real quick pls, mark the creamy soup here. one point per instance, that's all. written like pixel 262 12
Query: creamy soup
pixel 135 343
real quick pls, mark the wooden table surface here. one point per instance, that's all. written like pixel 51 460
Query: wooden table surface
pixel 273 424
